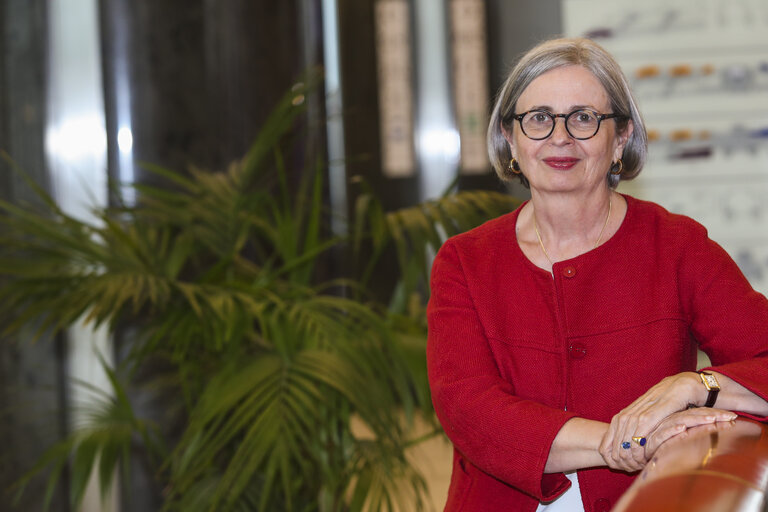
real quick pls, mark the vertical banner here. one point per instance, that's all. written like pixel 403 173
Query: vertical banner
pixel 393 51
pixel 470 82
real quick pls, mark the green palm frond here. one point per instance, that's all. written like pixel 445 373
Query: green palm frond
pixel 104 443
pixel 383 480
pixel 221 277
pixel 432 221
pixel 274 412
pixel 417 232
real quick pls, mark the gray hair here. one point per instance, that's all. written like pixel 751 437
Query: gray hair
pixel 557 53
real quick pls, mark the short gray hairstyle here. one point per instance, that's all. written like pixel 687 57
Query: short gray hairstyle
pixel 557 53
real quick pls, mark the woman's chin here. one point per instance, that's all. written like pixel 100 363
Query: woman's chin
pixel 562 182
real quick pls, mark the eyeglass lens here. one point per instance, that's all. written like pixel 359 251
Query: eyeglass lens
pixel 581 124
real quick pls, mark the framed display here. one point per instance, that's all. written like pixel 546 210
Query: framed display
pixel 699 70
pixel 393 51
pixel 470 82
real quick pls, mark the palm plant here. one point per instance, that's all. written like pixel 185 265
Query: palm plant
pixel 267 362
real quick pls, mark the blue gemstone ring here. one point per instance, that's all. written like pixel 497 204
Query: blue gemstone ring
pixel 639 440
pixel 625 445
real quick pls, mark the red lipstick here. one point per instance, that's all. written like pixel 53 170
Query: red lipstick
pixel 561 163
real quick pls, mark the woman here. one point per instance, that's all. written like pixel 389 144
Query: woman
pixel 563 335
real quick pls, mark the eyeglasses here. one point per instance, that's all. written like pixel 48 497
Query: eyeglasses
pixel 580 124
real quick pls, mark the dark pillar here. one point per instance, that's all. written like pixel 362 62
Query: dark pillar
pixel 199 78
pixel 202 75
pixel 359 78
pixel 32 390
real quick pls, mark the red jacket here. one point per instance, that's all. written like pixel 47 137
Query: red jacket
pixel 510 348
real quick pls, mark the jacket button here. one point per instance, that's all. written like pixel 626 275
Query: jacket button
pixel 578 351
pixel 569 271
pixel 602 505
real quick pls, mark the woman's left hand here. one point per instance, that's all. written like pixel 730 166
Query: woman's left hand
pixel 641 417
pixel 677 424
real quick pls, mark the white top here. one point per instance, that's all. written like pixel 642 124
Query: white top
pixel 569 501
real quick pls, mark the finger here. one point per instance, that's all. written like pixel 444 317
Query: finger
pixel 682 421
pixel 616 440
pixel 616 453
pixel 687 417
pixel 700 416
pixel 636 429
pixel 662 434
pixel 610 445
pixel 647 418
pixel 659 402
pixel 621 464
pixel 638 449
pixel 630 422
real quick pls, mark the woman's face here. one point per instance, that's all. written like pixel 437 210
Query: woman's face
pixel 561 163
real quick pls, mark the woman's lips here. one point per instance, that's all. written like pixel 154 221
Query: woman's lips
pixel 561 163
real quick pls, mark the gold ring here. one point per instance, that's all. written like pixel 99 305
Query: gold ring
pixel 639 440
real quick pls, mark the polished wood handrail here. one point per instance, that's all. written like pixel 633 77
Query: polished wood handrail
pixel 711 468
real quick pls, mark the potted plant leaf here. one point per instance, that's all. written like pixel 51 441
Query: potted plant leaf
pixel 264 362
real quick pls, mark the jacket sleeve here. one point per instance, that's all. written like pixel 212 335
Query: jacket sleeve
pixel 727 317
pixel 501 434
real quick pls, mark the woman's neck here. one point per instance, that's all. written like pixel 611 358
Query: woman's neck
pixel 565 226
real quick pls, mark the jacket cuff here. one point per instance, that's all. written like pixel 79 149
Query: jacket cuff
pixel 553 485
pixel 751 375
pixel 542 434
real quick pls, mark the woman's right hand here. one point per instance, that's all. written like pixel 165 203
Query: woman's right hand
pixel 635 457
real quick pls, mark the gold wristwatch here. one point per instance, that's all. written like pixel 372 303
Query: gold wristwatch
pixel 710 382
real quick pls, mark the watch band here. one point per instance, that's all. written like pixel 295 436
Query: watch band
pixel 710 382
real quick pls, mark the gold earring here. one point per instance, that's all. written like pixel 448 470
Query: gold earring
pixel 617 168
pixel 514 168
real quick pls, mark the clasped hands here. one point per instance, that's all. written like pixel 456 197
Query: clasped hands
pixel 661 413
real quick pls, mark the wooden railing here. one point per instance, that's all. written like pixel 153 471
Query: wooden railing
pixel 712 468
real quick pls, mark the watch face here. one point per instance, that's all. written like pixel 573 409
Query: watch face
pixel 710 381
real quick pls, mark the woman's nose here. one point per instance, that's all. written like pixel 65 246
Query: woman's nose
pixel 560 133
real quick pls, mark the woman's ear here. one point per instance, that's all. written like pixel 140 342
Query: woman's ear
pixel 622 139
pixel 508 136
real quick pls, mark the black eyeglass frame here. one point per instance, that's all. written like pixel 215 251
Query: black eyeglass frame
pixel 565 117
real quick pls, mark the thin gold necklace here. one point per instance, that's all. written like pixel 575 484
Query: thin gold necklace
pixel 599 236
